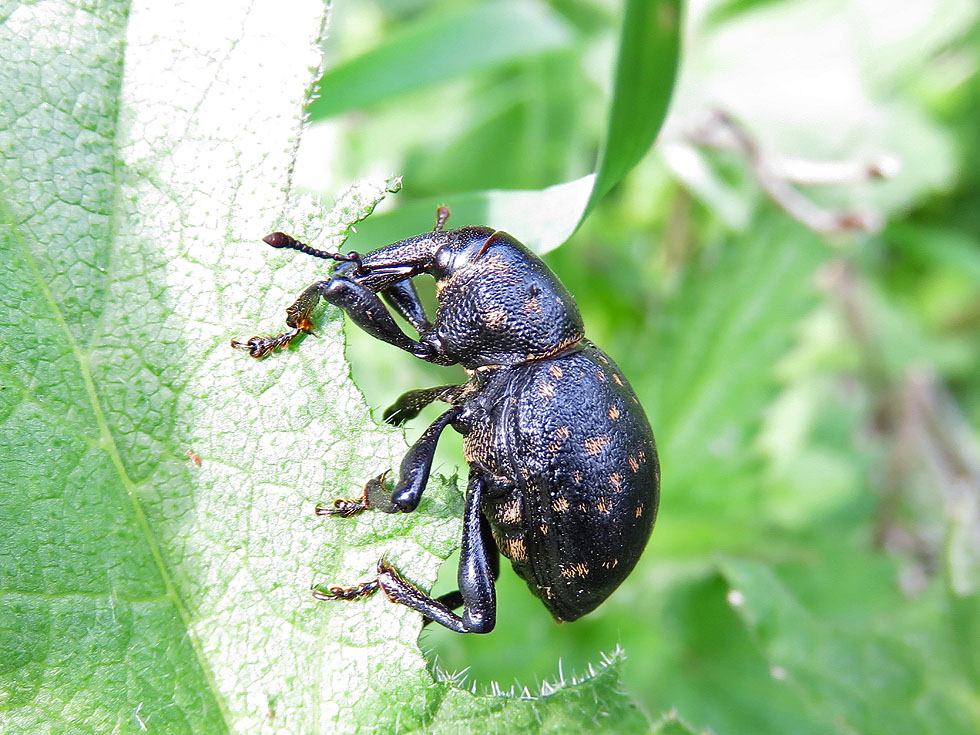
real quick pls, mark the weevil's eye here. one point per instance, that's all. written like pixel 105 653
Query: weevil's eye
pixel 443 259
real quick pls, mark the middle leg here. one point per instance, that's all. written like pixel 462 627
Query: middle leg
pixel 409 404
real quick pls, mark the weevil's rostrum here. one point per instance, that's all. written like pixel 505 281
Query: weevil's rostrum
pixel 563 480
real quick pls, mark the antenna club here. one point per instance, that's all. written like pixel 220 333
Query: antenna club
pixel 279 240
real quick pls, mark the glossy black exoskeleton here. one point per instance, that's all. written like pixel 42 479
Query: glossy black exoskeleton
pixel 564 479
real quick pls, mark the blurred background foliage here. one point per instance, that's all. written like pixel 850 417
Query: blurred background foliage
pixel 791 281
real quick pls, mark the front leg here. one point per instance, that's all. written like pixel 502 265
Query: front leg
pixel 404 298
pixel 413 475
pixel 375 495
pixel 297 317
pixel 363 306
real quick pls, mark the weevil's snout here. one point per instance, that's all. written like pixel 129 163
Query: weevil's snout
pixel 345 270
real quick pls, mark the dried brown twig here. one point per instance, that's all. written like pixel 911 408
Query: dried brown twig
pixel 929 484
pixel 779 176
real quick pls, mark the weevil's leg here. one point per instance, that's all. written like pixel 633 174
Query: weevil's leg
pixel 453 600
pixel 413 475
pixel 405 300
pixel 259 347
pixel 475 576
pixel 364 307
pixel 442 216
pixel 367 311
pixel 375 496
pixel 409 404
pixel 346 593
pixel 297 317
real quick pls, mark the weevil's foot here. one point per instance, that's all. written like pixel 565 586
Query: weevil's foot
pixel 345 593
pixel 306 327
pixel 398 414
pixel 343 507
pixel 397 588
pixel 409 405
pixel 259 347
pixel 347 507
pixel 299 319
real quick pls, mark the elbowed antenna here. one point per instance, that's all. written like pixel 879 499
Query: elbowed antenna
pixel 442 216
pixel 282 240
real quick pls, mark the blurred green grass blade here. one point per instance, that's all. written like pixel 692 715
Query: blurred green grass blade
pixel 646 65
pixel 870 681
pixel 937 246
pixel 442 46
pixel 543 219
pixel 720 338
pixel 965 628
pixel 725 10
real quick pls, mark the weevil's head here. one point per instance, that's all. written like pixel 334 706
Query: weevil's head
pixel 499 304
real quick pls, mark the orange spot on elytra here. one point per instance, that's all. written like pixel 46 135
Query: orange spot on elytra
pixel 574 570
pixel 495 318
pixel 594 445
pixel 561 434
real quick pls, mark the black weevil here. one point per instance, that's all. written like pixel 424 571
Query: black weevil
pixel 564 478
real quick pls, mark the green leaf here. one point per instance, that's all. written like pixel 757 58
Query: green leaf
pixel 670 724
pixel 157 534
pixel 649 48
pixel 698 645
pixel 732 320
pixel 866 680
pixel 585 706
pixel 443 45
